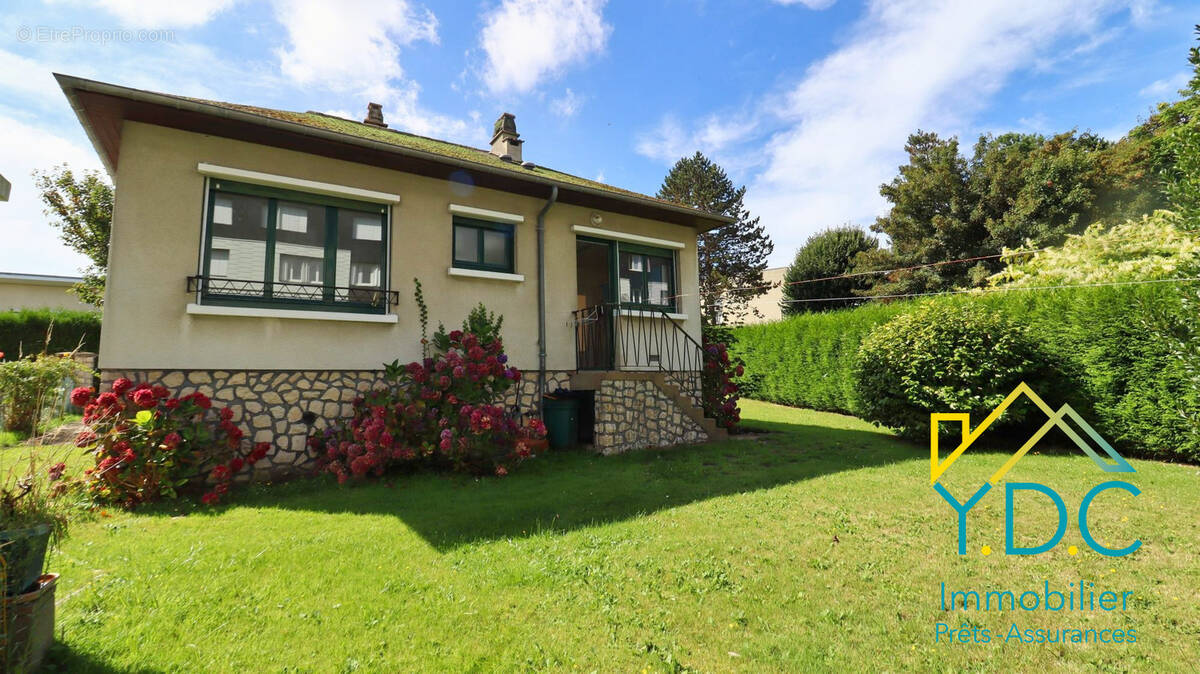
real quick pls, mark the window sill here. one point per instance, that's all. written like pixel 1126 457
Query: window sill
pixel 479 273
pixel 640 313
pixel 260 312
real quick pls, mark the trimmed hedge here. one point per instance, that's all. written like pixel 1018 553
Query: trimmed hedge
pixel 25 331
pixel 807 360
pixel 1116 348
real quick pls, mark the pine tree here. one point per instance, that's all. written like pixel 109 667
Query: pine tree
pixel 732 257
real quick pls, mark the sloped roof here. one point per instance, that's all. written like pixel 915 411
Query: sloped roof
pixel 93 103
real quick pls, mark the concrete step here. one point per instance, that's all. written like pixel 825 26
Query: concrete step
pixel 590 380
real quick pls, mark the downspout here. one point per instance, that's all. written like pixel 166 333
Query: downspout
pixel 541 270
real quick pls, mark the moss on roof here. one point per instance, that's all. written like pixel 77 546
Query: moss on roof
pixel 422 143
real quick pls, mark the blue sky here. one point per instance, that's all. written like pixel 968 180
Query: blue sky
pixel 807 102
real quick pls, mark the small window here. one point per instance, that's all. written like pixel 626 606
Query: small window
pixel 364 274
pixel 483 245
pixel 293 218
pixel 300 269
pixel 646 277
pixel 368 228
pixel 219 262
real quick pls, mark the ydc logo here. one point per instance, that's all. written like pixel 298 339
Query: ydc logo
pixel 1061 419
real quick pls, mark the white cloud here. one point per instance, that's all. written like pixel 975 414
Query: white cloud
pixel 163 13
pixel 913 64
pixel 528 41
pixel 1166 88
pixel 30 244
pixel 351 44
pixel 811 4
pixel 713 135
pixel 568 104
pixel 353 48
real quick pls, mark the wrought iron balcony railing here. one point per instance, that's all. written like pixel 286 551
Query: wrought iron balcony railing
pixel 285 292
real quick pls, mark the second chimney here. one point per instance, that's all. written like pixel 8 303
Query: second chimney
pixel 375 115
pixel 506 142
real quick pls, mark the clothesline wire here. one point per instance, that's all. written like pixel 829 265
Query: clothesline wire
pixel 991 290
pixel 940 263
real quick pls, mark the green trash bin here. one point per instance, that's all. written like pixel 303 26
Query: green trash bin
pixel 562 421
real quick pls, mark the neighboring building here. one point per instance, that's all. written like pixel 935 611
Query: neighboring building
pixel 38 291
pixel 5 188
pixel 766 307
pixel 267 257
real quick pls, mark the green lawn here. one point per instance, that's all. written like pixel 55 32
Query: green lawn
pixel 818 546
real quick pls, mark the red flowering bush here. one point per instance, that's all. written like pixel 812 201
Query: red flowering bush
pixel 148 444
pixel 438 412
pixel 719 393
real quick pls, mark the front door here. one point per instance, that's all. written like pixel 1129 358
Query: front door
pixel 594 314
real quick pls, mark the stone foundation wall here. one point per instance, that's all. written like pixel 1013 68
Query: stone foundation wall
pixel 270 405
pixel 636 413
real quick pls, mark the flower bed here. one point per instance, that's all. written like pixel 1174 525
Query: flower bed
pixel 437 413
pixel 148 444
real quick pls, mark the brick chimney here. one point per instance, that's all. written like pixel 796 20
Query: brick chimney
pixel 375 115
pixel 506 142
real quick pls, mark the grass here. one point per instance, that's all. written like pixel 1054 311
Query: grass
pixel 818 546
pixel 14 438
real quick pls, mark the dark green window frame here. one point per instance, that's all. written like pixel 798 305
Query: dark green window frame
pixel 332 206
pixel 650 251
pixel 508 267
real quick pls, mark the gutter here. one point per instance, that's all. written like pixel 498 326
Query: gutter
pixel 70 84
pixel 541 271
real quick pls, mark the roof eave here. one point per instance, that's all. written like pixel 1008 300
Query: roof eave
pixel 702 221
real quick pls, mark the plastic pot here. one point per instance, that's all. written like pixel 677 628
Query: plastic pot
pixel 24 553
pixel 30 628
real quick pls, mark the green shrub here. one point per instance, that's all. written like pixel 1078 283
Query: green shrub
pixel 825 255
pixel 1122 350
pixel 29 385
pixel 948 357
pixel 805 361
pixel 24 331
pixel 1153 247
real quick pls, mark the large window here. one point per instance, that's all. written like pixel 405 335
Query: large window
pixel 483 245
pixel 278 247
pixel 646 276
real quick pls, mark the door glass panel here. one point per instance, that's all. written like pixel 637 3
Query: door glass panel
pixel 658 282
pixel 632 279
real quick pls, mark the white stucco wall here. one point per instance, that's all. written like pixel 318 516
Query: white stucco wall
pixel 156 244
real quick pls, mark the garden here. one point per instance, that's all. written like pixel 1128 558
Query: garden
pixel 810 544
pixel 807 541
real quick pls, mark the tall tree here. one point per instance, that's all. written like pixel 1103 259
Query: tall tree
pixel 825 255
pixel 1173 133
pixel 82 210
pixel 733 257
pixel 930 220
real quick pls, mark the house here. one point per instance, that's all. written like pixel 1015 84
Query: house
pixel 767 307
pixel 268 258
pixel 39 291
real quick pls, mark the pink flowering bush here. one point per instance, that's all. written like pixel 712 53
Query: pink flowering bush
pixel 148 444
pixel 438 412
pixel 719 393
